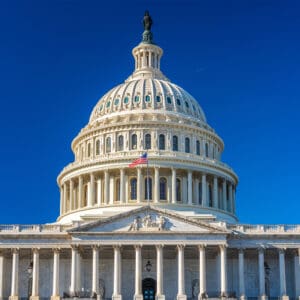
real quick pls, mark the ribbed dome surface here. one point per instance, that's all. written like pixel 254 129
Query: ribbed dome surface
pixel 147 94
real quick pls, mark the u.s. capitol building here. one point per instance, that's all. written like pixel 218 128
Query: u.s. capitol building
pixel 166 231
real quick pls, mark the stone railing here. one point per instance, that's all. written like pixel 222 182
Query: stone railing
pixel 35 228
pixel 265 229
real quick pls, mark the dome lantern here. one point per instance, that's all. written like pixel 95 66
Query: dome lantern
pixel 147 55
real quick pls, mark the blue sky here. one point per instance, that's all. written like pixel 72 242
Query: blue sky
pixel 239 59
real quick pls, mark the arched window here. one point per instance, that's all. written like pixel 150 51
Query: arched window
pixel 108 145
pixel 198 148
pixel 97 147
pixel 134 141
pixel 187 145
pixel 206 149
pixel 133 188
pixel 163 188
pixel 178 190
pixel 117 189
pixel 148 183
pixel 89 150
pixel 120 143
pixel 148 141
pixel 200 193
pixel 162 144
pixel 175 143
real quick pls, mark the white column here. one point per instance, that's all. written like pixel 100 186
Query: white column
pixel 223 271
pixel 156 185
pixel 106 187
pixel 35 276
pixel 99 192
pixel 282 277
pixel 184 189
pixel 139 185
pixel 215 193
pixel 230 198
pixel 55 281
pixel 14 294
pixel 71 195
pixel 160 273
pixel 80 191
pixel 1 275
pixel 65 198
pixel 78 272
pixel 117 270
pixel 174 200
pixel 224 192
pixel 181 284
pixel 91 195
pixel 297 274
pixel 241 275
pixel 61 208
pixel 122 186
pixel 95 270
pixel 204 193
pixel 202 273
pixel 138 273
pixel 190 187
pixel 73 272
pixel 261 270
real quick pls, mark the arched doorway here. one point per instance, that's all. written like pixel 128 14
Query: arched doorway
pixel 149 288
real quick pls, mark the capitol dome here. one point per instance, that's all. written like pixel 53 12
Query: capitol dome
pixel 147 113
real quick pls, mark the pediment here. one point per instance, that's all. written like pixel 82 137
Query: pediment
pixel 148 220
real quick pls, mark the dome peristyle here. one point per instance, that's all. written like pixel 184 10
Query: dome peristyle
pixel 147 115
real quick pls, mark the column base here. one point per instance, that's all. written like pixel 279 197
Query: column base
pixel 284 297
pixel 138 297
pixel 181 297
pixel 13 298
pixel 160 297
pixel 202 296
pixel 263 297
pixel 55 298
pixel 34 298
pixel 243 297
pixel 116 297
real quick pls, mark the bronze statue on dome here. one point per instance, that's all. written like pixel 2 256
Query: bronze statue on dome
pixel 147 21
pixel 147 34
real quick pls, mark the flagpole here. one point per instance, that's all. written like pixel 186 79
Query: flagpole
pixel 148 192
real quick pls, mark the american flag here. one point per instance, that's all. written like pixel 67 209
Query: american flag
pixel 139 161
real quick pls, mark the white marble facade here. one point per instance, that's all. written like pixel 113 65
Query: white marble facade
pixel 166 230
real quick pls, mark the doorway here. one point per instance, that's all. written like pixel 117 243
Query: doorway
pixel 149 288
